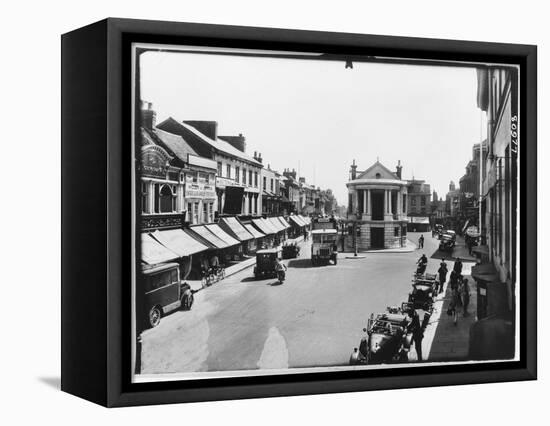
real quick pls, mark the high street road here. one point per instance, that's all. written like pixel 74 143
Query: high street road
pixel 314 319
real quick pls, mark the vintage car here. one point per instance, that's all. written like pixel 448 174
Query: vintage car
pixel 265 263
pixel 447 242
pixel 290 250
pixel 387 340
pixel 163 292
pixel 423 293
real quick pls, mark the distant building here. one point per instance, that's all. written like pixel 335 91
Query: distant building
pixel 377 209
pixel 469 186
pixel 419 198
pixel 271 193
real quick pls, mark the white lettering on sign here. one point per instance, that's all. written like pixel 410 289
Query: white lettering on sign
pixel 199 191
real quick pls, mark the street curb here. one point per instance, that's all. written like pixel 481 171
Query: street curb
pixel 239 268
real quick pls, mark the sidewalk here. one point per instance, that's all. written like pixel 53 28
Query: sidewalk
pixel 443 340
pixel 409 247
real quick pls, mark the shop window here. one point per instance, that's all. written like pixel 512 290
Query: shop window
pixel 396 231
pixel 167 199
pixel 196 212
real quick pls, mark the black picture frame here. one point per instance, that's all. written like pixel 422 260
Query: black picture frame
pixel 96 230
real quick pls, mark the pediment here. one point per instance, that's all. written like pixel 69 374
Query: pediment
pixel 378 171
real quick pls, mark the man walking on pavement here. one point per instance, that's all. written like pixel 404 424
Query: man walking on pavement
pixel 442 275
pixel 421 241
pixel 417 333
pixel 458 266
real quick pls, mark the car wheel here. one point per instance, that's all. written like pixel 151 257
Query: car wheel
pixel 154 316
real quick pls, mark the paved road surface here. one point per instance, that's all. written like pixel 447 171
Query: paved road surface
pixel 314 319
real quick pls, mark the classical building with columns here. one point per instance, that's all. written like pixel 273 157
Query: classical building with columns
pixel 377 207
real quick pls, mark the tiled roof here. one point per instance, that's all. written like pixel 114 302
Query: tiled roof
pixel 217 144
pixel 175 143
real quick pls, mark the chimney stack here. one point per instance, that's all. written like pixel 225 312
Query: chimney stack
pixel 207 128
pixel 148 115
pixel 237 142
pixel 353 171
pixel 399 168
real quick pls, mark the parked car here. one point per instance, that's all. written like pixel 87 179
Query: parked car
pixel 447 242
pixel 164 292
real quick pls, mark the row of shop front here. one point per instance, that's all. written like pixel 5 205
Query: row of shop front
pixel 230 240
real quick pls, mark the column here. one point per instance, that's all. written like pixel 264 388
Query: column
pixel 369 205
pixel 390 202
pixel 365 201
pixel 399 202
pixel 385 201
pixel 151 197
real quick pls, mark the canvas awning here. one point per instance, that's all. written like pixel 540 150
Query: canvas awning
pixel 209 237
pixel 276 224
pixel 237 228
pixel 419 219
pixel 305 219
pixel 179 242
pixel 220 233
pixel 297 221
pixel 263 227
pixel 255 233
pixel 283 222
pixel 153 252
pixel 274 229
pixel 485 272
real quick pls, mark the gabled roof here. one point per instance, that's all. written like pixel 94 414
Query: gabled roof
pixel 217 144
pixel 174 143
pixel 378 167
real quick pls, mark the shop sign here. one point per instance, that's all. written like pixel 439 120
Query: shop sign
pixel 198 190
pixel 154 163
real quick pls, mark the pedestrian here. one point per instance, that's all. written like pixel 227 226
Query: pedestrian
pixel 458 266
pixel 442 275
pixel 465 296
pixel 453 306
pixel 421 241
pixel 417 333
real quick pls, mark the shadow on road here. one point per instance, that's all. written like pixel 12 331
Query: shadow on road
pixel 249 279
pixel 299 263
pixel 274 284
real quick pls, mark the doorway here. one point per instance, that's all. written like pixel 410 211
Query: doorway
pixel 377 238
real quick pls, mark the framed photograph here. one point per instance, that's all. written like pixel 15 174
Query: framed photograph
pixel 255 212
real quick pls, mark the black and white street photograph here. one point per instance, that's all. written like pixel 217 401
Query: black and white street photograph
pixel 300 212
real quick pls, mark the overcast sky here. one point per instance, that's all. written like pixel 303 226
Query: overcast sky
pixel 317 116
